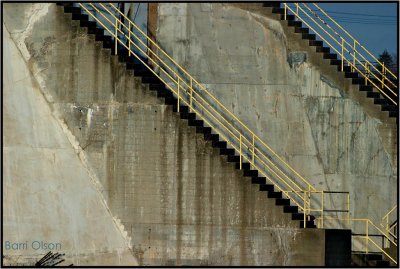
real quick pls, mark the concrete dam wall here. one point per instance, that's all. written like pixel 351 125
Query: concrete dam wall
pixel 289 96
pixel 167 196
pixel 131 184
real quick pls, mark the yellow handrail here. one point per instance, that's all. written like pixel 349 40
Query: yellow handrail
pixel 339 53
pixel 235 138
pixel 354 48
pixel 216 100
pixel 211 114
pixel 368 224
pixel 370 54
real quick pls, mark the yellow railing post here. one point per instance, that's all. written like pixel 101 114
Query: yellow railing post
pixel 191 94
pixel 253 159
pixel 177 109
pixel 129 39
pixel 366 73
pixel 116 36
pixel 322 210
pixel 354 56
pixel 366 237
pixel 284 5
pixel 342 54
pixel 305 211
pixel 240 151
pixel 297 9
pixel 348 210
pixel 383 74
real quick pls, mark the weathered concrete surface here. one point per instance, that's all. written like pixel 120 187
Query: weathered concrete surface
pixel 284 91
pixel 50 195
pixel 180 202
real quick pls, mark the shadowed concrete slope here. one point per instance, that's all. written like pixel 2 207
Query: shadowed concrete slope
pixel 180 202
pixel 288 95
pixel 49 194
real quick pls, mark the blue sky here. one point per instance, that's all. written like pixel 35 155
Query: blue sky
pixel 376 27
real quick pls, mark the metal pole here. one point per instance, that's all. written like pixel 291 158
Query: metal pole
pixel 116 36
pixel 178 96
pixel 342 54
pixel 304 215
pixel 240 151
pixel 383 75
pixel 297 9
pixel 322 210
pixel 366 237
pixel 366 73
pixel 253 150
pixel 285 10
pixel 191 94
pixel 354 55
pixel 129 38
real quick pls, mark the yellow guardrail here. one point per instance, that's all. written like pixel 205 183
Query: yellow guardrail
pixel 191 93
pixel 368 233
pixel 347 47
pixel 388 224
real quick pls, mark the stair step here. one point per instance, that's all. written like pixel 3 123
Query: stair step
pixel 274 194
pixel 337 62
pixel 188 116
pixel 259 180
pixel 71 9
pixel 164 93
pixel 250 173
pixel 295 23
pixel 156 87
pixel 170 100
pixel 267 187
pixel 388 107
pixel 309 224
pixel 297 216
pixel 245 166
pixel 381 101
pixel 271 4
pixel 308 36
pixel 77 16
pixel 365 88
pixel 288 17
pixel 322 49
pixel 219 144
pixel 195 122
pixel 278 10
pixel 290 209
pixel 373 94
pixel 151 79
pixel 351 75
pixel 301 30
pixel 86 23
pixel 233 159
pixel 211 137
pixel 330 56
pixel 282 201
pixel 358 81
pixel 393 114
pixel 316 43
pixel 203 130
pixel 227 152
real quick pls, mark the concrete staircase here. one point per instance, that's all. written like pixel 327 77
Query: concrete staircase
pixel 356 78
pixel 147 77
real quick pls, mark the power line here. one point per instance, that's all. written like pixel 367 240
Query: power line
pixel 359 14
